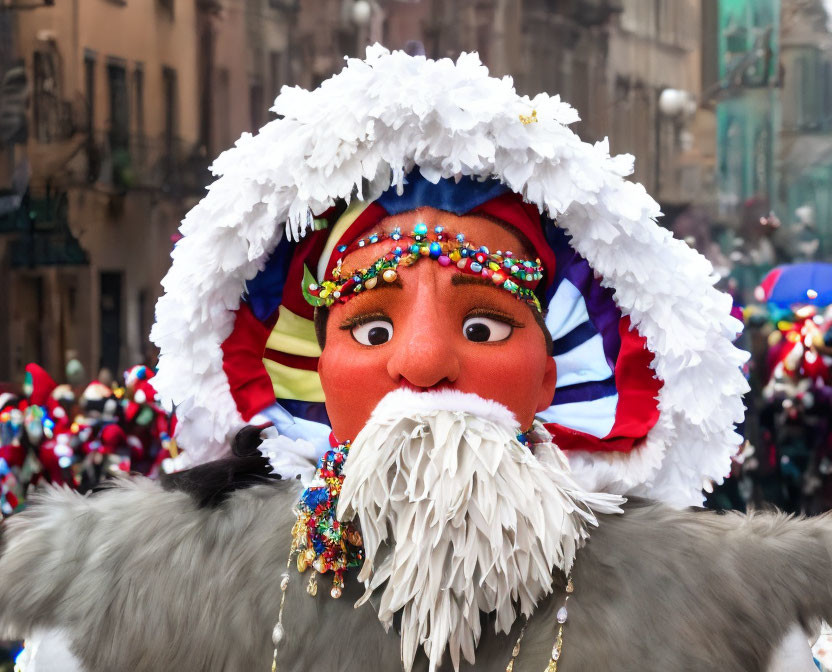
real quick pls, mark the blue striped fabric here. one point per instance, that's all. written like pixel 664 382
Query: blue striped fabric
pixel 586 398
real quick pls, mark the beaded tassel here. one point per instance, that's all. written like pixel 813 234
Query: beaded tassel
pixel 516 650
pixel 557 647
pixel 562 616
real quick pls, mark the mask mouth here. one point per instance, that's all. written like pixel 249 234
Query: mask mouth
pixel 407 400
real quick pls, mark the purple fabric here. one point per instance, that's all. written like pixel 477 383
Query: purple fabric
pixel 603 313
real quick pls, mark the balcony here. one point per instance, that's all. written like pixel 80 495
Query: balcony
pixel 45 238
pixel 596 12
pixel 175 167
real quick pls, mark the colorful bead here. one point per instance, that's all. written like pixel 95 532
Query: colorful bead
pixel 322 541
pixel 516 276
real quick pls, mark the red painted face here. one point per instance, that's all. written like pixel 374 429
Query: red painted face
pixel 434 327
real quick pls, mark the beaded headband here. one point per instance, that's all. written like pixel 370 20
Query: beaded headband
pixel 517 276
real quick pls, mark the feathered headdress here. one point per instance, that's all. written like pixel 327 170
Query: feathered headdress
pixel 649 385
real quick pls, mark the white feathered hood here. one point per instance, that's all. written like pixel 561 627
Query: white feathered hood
pixel 368 127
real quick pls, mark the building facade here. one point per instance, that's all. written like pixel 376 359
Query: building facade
pixel 125 104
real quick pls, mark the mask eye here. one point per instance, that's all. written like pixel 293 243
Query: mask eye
pixel 485 330
pixel 376 332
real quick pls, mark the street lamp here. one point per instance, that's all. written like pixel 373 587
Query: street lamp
pixel 675 103
pixel 361 12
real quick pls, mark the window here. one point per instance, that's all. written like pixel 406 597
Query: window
pixel 223 106
pixel 138 96
pixel 206 84
pixel 256 105
pixel 119 131
pixel 110 319
pixel 93 158
pixel 275 72
pixel 119 116
pixel 169 97
pixel 89 99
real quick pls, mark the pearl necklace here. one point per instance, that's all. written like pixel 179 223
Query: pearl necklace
pixel 557 647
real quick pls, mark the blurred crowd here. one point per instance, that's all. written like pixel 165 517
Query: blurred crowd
pixel 79 435
pixel 787 457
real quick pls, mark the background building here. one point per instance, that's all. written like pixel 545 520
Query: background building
pixel 113 110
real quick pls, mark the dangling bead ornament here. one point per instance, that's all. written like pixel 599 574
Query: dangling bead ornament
pixel 323 542
pixel 319 539
pixel 557 647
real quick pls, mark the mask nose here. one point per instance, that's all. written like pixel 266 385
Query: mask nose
pixel 424 355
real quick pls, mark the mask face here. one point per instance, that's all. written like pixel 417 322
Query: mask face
pixel 434 327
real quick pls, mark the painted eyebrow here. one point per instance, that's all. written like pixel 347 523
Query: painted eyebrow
pixel 460 279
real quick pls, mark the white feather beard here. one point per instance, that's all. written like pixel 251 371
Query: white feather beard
pixel 370 125
pixel 458 517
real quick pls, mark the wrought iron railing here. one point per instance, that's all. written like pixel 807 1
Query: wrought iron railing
pixel 141 162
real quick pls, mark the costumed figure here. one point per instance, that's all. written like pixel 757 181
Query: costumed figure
pixel 795 414
pixel 146 422
pixel 499 380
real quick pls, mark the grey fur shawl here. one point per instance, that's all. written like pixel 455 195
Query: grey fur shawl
pixel 142 579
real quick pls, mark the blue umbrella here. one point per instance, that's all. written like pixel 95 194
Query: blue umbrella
pixel 807 283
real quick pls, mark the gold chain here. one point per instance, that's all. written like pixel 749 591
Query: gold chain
pixel 557 647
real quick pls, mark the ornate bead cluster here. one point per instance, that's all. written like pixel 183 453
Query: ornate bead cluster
pixel 320 540
pixel 517 276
